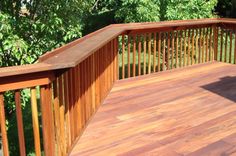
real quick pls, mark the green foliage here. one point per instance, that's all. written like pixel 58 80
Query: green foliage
pixel 189 9
pixel 30 28
pixel 138 11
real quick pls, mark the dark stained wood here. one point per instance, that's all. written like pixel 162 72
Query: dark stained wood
pixel 20 125
pixel 146 115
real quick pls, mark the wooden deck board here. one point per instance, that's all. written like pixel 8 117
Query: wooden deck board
pixel 188 111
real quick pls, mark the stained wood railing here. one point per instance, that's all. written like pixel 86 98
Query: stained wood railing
pixel 68 85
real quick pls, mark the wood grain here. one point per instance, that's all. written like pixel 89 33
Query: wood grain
pixel 146 115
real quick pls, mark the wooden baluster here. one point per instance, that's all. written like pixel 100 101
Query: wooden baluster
pixel 159 51
pixel 172 51
pixel 215 33
pixel 181 48
pixel 35 121
pixel 123 56
pixel 226 44
pixel 128 56
pixel 230 47
pixel 57 116
pixel 221 45
pixel 193 52
pixel 149 52
pixel 200 47
pixel 47 120
pixel 185 48
pixel 116 55
pixel 70 89
pixel 168 52
pixel 20 126
pixel 210 46
pixel 144 53
pixel 164 52
pixel 177 49
pixel 139 55
pixel 62 114
pixel 189 56
pixel 207 53
pixel 67 113
pixel 197 47
pixel 203 45
pixel 134 55
pixel 155 52
pixel 234 47
pixel 3 127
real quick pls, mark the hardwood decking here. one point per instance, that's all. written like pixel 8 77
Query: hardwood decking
pixel 188 111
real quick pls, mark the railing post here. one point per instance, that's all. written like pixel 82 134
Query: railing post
pixel 215 33
pixel 47 120
pixel 20 123
pixel 3 126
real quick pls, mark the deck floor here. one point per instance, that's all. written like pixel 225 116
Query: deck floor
pixel 188 111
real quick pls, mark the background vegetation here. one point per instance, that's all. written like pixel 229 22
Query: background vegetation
pixel 29 28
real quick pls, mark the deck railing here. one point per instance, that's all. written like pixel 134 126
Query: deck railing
pixel 73 81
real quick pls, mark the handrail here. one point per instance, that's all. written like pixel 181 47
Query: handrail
pixel 73 53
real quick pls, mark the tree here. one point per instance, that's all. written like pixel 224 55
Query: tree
pixel 36 26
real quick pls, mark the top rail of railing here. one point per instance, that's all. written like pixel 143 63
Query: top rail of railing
pixel 75 52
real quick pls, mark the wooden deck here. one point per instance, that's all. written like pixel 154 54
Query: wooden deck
pixel 188 111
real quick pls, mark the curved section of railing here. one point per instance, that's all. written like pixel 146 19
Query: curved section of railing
pixel 73 80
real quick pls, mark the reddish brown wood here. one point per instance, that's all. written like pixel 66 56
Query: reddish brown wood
pixel 149 52
pixel 3 127
pixel 129 56
pixel 181 49
pixel 155 51
pixel 123 56
pixel 159 51
pixel 193 52
pixel 185 47
pixel 134 55
pixel 230 46
pixel 168 52
pixel 172 47
pixel 47 120
pixel 226 46
pixel 221 44
pixel 164 53
pixel 144 52
pixel 234 47
pixel 139 55
pixel 215 34
pixel 35 121
pixel 177 50
pixel 20 126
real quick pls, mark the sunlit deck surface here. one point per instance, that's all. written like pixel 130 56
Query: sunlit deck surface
pixel 187 111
